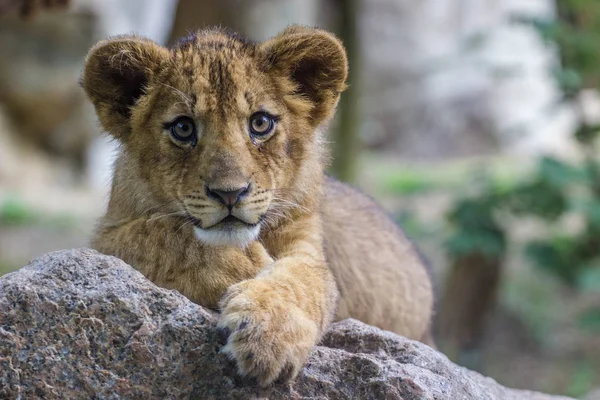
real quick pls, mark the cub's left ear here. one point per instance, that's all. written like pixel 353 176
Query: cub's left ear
pixel 315 61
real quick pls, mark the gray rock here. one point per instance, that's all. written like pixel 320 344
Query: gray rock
pixel 78 324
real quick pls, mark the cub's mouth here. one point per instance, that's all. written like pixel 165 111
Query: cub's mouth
pixel 229 221
pixel 230 231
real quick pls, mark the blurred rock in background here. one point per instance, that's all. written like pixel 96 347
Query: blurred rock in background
pixel 40 99
pixel 55 165
pixel 456 78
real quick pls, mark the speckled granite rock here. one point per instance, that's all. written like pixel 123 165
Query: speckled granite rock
pixel 77 324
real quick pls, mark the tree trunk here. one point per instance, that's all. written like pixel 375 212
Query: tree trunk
pixel 469 297
pixel 345 138
pixel 194 14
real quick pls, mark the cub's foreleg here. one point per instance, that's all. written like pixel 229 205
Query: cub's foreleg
pixel 275 319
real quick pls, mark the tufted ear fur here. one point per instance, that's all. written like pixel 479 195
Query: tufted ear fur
pixel 116 74
pixel 316 62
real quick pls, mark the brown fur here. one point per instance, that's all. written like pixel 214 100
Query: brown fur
pixel 277 293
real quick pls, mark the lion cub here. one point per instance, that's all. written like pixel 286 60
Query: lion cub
pixel 219 192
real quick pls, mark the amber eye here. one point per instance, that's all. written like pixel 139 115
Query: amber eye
pixel 183 129
pixel 261 124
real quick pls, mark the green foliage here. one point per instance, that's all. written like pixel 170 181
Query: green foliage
pixel 408 182
pixel 590 320
pixel 586 134
pixel 576 35
pixel 556 256
pixel 558 188
pixel 477 230
pixel 411 224
pixel 589 279
pixel 15 212
pixel 415 181
pixel 582 380
pixel 544 196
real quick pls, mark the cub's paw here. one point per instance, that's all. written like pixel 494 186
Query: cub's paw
pixel 268 335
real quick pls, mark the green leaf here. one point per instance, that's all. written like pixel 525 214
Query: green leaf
pixel 560 174
pixel 582 380
pixel 408 183
pixel 488 243
pixel 586 134
pixel 476 230
pixel 15 212
pixel 589 279
pixel 590 320
pixel 554 257
pixel 569 80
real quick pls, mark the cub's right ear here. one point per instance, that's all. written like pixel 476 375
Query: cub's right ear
pixel 116 74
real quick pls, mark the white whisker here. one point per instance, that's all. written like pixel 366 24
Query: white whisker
pixel 159 216
pixel 184 96
pixel 184 224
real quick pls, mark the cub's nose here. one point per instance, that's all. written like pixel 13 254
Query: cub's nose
pixel 228 197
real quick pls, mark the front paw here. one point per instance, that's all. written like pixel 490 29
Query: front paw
pixel 268 335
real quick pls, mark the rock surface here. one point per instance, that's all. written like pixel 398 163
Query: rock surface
pixel 77 324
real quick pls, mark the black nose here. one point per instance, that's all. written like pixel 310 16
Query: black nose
pixel 228 197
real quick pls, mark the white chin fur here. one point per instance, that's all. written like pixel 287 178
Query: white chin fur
pixel 238 237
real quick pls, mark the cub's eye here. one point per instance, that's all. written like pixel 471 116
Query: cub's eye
pixel 261 124
pixel 183 129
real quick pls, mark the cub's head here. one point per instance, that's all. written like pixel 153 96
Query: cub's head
pixel 218 130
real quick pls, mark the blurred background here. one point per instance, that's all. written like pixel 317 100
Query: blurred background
pixel 474 122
